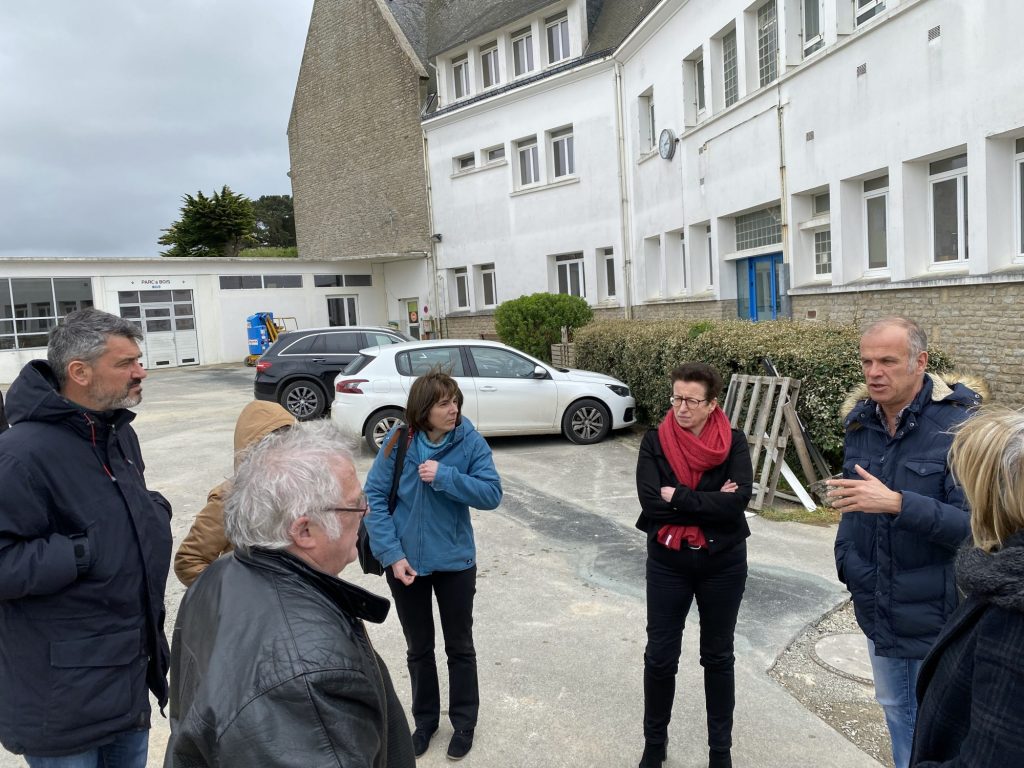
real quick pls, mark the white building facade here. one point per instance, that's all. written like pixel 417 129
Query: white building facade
pixel 830 159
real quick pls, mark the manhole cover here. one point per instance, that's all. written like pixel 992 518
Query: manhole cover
pixel 845 654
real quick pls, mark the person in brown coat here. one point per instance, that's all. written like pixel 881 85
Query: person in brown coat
pixel 206 540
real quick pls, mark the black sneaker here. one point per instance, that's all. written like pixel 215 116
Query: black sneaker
pixel 461 743
pixel 421 740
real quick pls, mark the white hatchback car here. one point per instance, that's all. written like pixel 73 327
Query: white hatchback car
pixel 506 392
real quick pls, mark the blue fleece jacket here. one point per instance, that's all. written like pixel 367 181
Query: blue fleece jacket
pixel 431 527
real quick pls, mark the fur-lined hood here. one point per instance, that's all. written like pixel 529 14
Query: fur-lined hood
pixel 942 387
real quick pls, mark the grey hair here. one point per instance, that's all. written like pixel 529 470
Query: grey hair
pixel 917 340
pixel 284 476
pixel 83 336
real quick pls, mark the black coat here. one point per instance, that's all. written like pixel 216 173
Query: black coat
pixel 971 685
pixel 719 515
pixel 81 638
pixel 271 665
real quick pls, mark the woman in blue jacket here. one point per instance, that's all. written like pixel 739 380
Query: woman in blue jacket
pixel 427 548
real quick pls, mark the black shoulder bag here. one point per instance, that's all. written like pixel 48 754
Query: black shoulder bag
pixel 367 561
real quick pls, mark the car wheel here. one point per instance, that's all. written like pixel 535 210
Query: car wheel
pixel 379 425
pixel 303 399
pixel 586 422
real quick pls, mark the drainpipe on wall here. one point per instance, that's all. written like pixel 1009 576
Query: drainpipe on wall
pixel 624 218
pixel 783 196
pixel 433 276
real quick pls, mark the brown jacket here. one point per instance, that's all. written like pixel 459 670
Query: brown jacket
pixel 206 541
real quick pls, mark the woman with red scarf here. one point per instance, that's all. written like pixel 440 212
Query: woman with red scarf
pixel 694 481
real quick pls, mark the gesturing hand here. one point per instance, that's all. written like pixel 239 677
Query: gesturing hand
pixel 729 487
pixel 869 494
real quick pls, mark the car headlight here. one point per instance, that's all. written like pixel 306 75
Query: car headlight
pixel 618 389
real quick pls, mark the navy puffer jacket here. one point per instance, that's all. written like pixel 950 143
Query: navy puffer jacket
pixel 899 568
pixel 80 643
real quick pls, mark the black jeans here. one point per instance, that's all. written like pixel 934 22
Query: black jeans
pixel 455 592
pixel 717 582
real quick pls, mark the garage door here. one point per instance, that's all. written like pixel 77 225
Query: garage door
pixel 167 319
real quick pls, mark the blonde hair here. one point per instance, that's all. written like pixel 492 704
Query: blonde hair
pixel 987 459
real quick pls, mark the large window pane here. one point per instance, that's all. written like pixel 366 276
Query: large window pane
pixel 944 220
pixel 875 210
pixel 6 309
pixel 767 43
pixel 730 78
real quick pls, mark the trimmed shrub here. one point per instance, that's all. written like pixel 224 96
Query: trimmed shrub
pixel 824 356
pixel 270 252
pixel 533 323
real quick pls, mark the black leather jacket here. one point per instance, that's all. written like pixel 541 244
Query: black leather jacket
pixel 271 666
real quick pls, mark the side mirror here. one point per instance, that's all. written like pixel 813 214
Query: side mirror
pixel 539 372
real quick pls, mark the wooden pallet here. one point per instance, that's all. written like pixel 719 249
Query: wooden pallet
pixel 758 405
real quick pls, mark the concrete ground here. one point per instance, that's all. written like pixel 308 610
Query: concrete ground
pixel 560 607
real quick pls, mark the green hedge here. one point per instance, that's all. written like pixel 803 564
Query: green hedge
pixel 824 356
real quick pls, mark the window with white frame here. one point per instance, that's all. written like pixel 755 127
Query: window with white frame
pixel 31 306
pixel 767 43
pixel 522 51
pixel 821 206
pixel 823 252
pixel 607 259
pixel 654 282
pixel 876 199
pixel 529 161
pixel 489 65
pixel 562 155
pixel 460 77
pixel 867 9
pixel 682 263
pixel 461 288
pixel 813 39
pixel 464 163
pixel 645 107
pixel 557 29
pixel 1019 188
pixel 730 72
pixel 495 154
pixel 569 274
pixel 698 84
pixel 488 285
pixel 948 181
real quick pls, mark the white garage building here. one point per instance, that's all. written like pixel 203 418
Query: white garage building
pixel 193 311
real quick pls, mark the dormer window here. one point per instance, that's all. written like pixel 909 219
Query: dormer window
pixel 558 37
pixel 522 51
pixel 489 64
pixel 460 73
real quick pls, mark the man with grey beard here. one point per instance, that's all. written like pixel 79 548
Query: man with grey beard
pixel 84 553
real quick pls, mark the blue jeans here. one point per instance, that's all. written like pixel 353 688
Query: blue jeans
pixel 128 750
pixel 895 690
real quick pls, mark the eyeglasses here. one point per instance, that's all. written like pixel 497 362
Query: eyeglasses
pixel 691 402
pixel 362 509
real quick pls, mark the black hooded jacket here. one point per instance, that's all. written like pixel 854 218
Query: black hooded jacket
pixel 84 554
pixel 971 686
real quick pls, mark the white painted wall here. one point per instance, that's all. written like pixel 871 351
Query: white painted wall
pixel 483 216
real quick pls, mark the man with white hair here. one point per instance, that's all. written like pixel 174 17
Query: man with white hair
pixel 271 663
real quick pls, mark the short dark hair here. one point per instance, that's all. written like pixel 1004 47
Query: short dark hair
pixel 83 336
pixel 426 392
pixel 703 373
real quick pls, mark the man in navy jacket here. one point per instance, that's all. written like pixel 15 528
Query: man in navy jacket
pixel 84 553
pixel 904 516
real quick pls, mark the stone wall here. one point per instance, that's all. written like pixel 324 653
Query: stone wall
pixel 354 138
pixel 686 310
pixel 474 326
pixel 981 325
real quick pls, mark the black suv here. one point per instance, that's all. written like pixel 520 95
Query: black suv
pixel 299 368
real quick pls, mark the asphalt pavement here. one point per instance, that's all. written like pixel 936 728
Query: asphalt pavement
pixel 560 605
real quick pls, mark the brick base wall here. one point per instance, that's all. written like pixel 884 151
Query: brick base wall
pixel 687 310
pixel 467 326
pixel 981 325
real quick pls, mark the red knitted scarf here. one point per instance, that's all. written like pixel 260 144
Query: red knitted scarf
pixel 690 456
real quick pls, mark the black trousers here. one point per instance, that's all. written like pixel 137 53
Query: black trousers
pixel 717 582
pixel 455 591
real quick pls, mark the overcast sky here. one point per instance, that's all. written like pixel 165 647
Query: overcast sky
pixel 111 110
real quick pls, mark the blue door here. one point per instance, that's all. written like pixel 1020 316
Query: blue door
pixel 761 288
